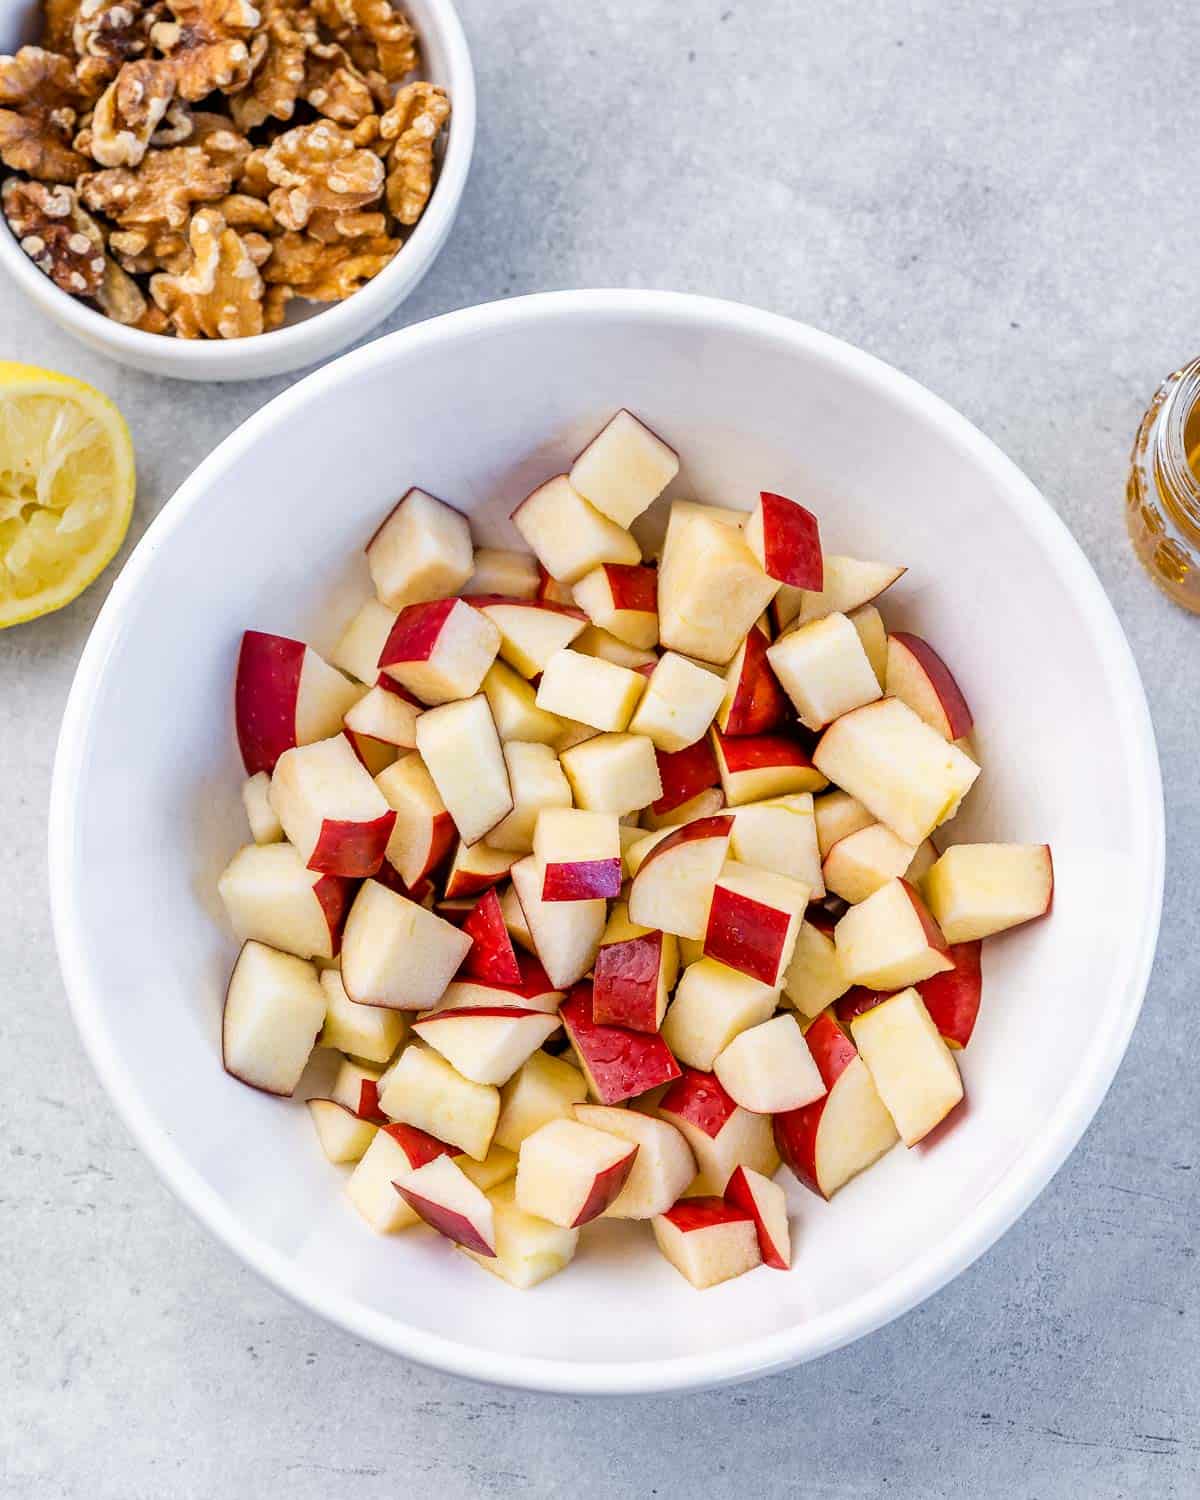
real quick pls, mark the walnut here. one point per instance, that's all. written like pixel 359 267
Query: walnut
pixel 304 267
pixel 253 179
pixel 129 112
pixel 332 229
pixel 209 43
pixel 223 146
pixel 315 167
pixel 107 33
pixel 39 102
pixel 412 125
pixel 177 126
pixel 121 299
pixel 242 212
pixel 335 87
pixel 375 34
pixel 58 237
pixel 221 294
pixel 160 193
pixel 58 25
pixel 279 78
pixel 140 251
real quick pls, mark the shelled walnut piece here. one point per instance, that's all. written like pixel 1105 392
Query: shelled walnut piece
pixel 298 176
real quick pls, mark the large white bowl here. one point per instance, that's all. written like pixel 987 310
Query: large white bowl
pixel 478 406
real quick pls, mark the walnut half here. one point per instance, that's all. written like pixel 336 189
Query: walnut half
pixel 220 295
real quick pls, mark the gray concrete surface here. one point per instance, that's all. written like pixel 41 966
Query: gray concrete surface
pixel 998 197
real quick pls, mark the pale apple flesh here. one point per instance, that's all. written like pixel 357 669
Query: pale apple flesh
pixel 274 1010
pixel 624 468
pixel 285 695
pixel 766 1203
pixel 720 1132
pixel 918 676
pixel 977 890
pixel 662 1170
pixel 712 1005
pixel 708 1240
pixel 421 551
pixel 911 1066
pixel 569 1173
pixel 448 1201
pixel 890 940
pixel 768 1068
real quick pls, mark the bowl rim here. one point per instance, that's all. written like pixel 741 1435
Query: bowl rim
pixel 297 342
pixel 928 1272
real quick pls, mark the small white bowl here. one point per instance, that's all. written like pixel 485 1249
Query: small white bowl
pixel 320 329
pixel 479 406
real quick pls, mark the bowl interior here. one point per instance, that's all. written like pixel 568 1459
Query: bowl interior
pixel 478 407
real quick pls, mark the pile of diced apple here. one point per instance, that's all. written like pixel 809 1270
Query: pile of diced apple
pixel 607 882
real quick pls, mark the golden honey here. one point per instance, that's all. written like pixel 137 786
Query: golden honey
pixel 1162 501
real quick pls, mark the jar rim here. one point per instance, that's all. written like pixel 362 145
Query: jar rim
pixel 1177 481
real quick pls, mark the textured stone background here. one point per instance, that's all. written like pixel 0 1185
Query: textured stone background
pixel 999 198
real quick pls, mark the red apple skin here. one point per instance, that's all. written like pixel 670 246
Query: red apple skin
pixel 467 882
pixel 958 716
pixel 857 1001
pixel 745 934
pixel 738 1195
pixel 506 1012
pixel 933 933
pixel 796 1129
pixel 334 894
pixel 759 703
pixel 453 1225
pixel 390 685
pixel 354 850
pixel 388 875
pixel 605 1187
pixel 699 1098
pixel 791 543
pixel 416 631
pixel 265 693
pixel 492 957
pixel 826 913
pixel 952 998
pixel 622 1063
pixel 549 590
pixel 632 587
pixel 752 752
pixel 703 828
pixel 582 880
pixel 478 601
pixel 625 987
pixel 705 1213
pixel 685 774
pixel 418 1145
pixel 442 834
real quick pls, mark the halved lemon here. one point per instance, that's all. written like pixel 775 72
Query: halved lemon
pixel 67 482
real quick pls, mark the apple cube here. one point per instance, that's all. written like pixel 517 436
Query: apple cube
pixel 387 716
pixel 530 632
pixel 394 1153
pixel 515 919
pixel 841 1134
pixel 786 540
pixel 447 1200
pixel 712 1005
pixel 421 551
pixel 492 958
pixel 664 1165
pixel 704 805
pixel 752 701
pixel 624 468
pixel 265 827
pixel 270 896
pixel 769 1069
pixel 814 978
pixel 673 888
pixel 753 921
pixel 569 1173
pixel 574 733
pixel 711 588
pixel 538 783
pixel 952 998
pixel 477 867
pixel 679 703
pixel 544 1088
pixel 362 642
pixel 462 751
pixel 566 934
pixel 635 972
pixel 975 890
pixel 867 620
pixel 366 1031
pixel 424 1090
pixel 623 601
pixel 344 1137
pixel 913 1070
pixel 824 670
pixel 332 812
pixel 720 1132
pixel 918 676
pixel 593 641
pixel 423 832
pixel 373 755
pixel 440 651
pixel 395 953
pixel 357 1088
pixel 890 941
pixel 486 1044
pixel 766 1203
pixel 589 690
pixel 754 768
pixel 617 1062
pixel 859 864
pixel 708 1240
pixel 684 774
pixel 528 1249
pixel 848 584
pixel 501 571
pixel 513 703
pixel 496 1167
pixel 780 835
pixel 579 854
pixel 285 695
pixel 532 991
pixel 568 536
pixel 614 773
pixel 838 815
pixel 897 767
pixel 274 1008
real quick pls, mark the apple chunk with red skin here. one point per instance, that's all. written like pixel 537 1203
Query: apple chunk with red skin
pixel 274 1008
pixel 952 998
pixel 753 701
pixel 664 1166
pixel 397 954
pixel 753 921
pixel 528 1248
pixel 711 588
pixel 568 536
pixel 332 812
pixel 635 972
pixel 828 1142
pixel 421 551
pixel 673 888
pixel 756 767
pixel 976 890
pixel 766 1203
pixel 476 867
pixel 678 705
pixel 462 751
pixel 918 676
pixel 387 716
pixel 440 651
pixel 344 1137
pixel 890 940
pixel 720 1132
pixel 443 1195
pixel 913 1070
pixel 786 540
pixel 624 468
pixel 849 583
pixel 708 1240
pixel 492 957
pixel 357 1087
pixel 618 1063
pixel 769 1069
pixel 622 600
pixel 532 992
pixel 395 1151
pixel 272 897
pixel 566 934
pixel 824 670
pixel 423 832
pixel 579 854
pixel 285 695
pixel 486 1044
pixel 569 1173
pixel 684 774
pixel 531 631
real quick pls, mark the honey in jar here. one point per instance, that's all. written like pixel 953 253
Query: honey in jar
pixel 1163 495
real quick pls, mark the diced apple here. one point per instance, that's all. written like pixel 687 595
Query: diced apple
pixel 421 551
pixel 285 695
pixel 515 919
pixel 448 1201
pixel 922 862
pixel 551 591
pixel 913 1070
pixel 918 676
pixel 394 1153
pixel 754 768
pixel 579 854
pixel 753 921
pixel 334 815
pixel 367 1031
pixel 664 1165
pixel 533 991
pixel 952 999
pixel 574 733
pixel 711 588
pixel 859 864
pixel 780 835
pixel 635 972
pixel 596 642
pixel 828 1142
pixel 673 887
pixel 890 940
pixel 387 716
pixel 708 1240
pixel 838 815
pixel 492 958
pixel 684 775
pixel 617 1062
pixel 362 641
pixel 496 1167
pixel 528 1249
pixel 705 804
pixel 530 632
pixel 462 751
pixel 544 1088
pixel 566 934
pixel 814 978
pixel 849 583
pixel 753 701
pixel 498 570
pixel 373 755
pixel 356 1085
pixel 440 651
pixel 570 1173
pixel 786 540
pixel 867 620
pixel 766 1203
pixel 513 703
pixel 343 1136
pixel 274 1008
pixel 768 1069
pixel 614 773
pixel 265 827
pixel 477 867
pixel 678 705
pixel 395 953
pixel 712 1006
pixel 423 832
pixel 720 1132
pixel 975 890
pixel 486 1045
pixel 624 468
pixel 537 782
pixel 270 896
pixel 824 670
pixel 897 767
pixel 589 690
pixel 568 536
pixel 424 1090
pixel 623 601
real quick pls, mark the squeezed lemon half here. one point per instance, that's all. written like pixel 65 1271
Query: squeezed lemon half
pixel 67 482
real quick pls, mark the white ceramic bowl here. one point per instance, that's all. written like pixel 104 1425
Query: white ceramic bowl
pixel 478 406
pixel 314 331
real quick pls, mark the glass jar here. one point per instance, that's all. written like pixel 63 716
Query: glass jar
pixel 1162 499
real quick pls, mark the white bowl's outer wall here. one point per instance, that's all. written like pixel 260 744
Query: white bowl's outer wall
pixel 478 406
pixel 329 328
